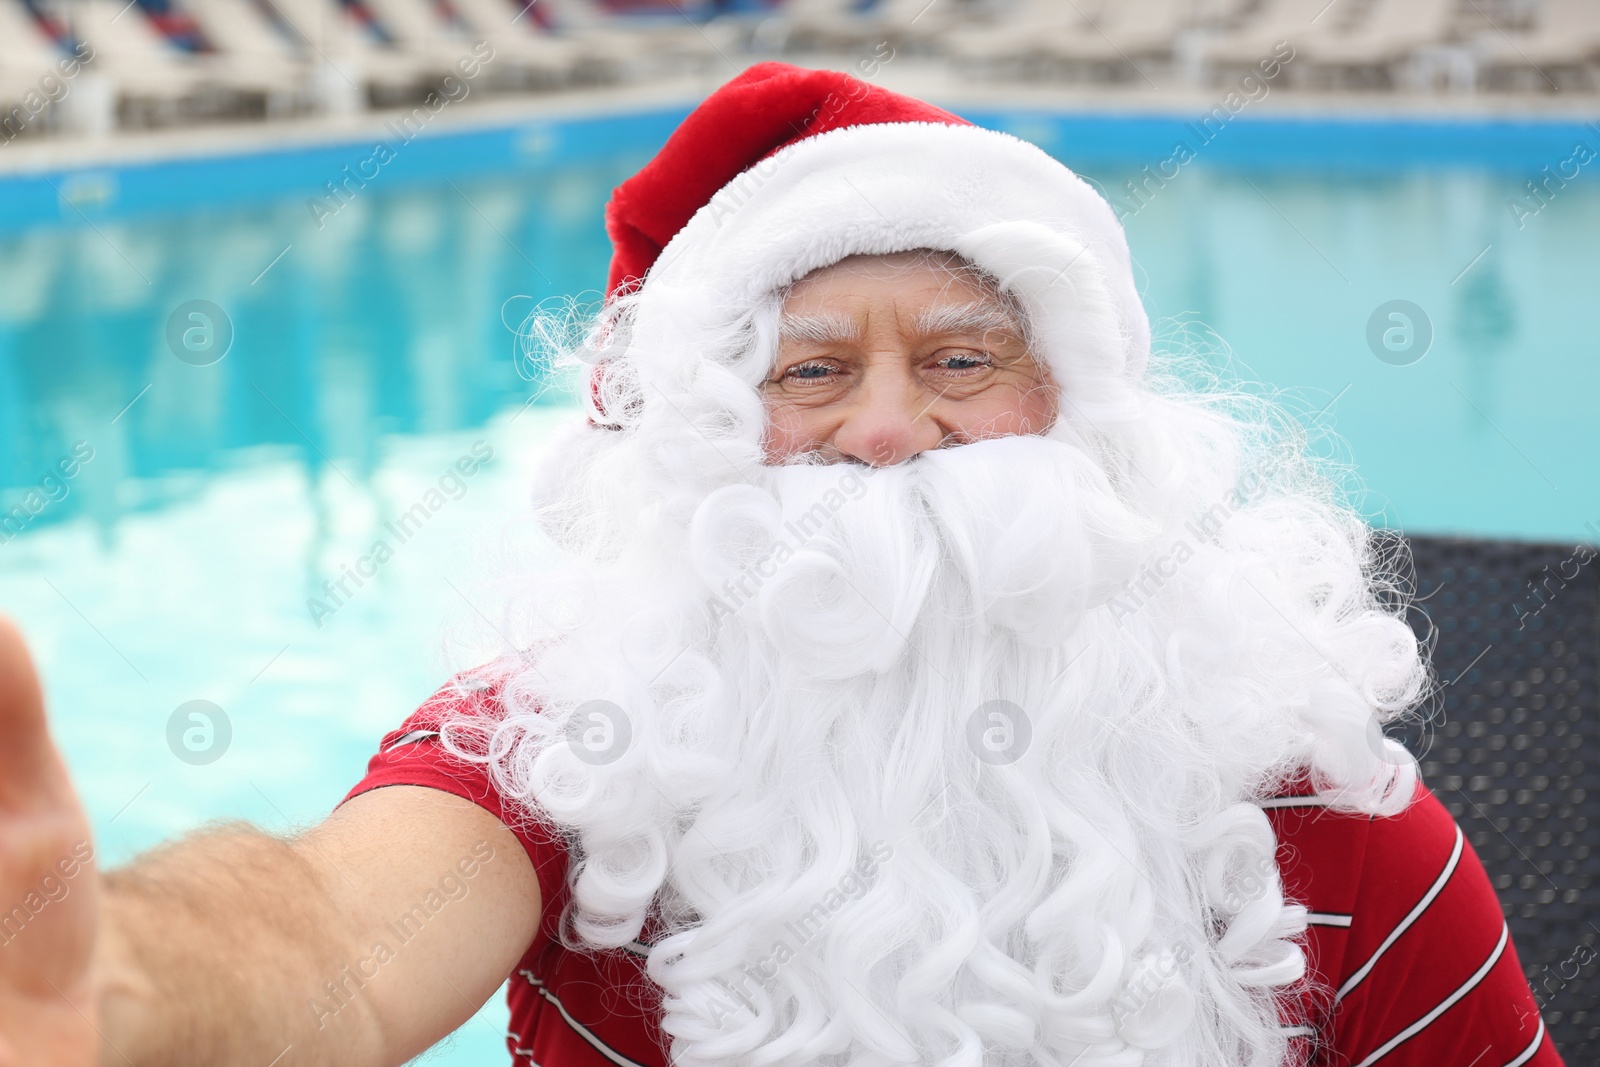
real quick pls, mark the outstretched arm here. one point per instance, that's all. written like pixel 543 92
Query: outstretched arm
pixel 48 901
pixel 360 942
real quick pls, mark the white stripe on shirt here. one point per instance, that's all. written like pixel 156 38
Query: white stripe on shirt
pixel 1422 1024
pixel 412 738
pixel 1314 801
pixel 1327 918
pixel 584 1032
pixel 1416 913
pixel 1527 1053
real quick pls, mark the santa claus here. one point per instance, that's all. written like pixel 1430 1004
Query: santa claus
pixel 926 676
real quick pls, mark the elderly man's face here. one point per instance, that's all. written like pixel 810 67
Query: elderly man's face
pixel 883 357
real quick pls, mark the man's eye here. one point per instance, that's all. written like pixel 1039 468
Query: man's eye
pixel 964 361
pixel 809 370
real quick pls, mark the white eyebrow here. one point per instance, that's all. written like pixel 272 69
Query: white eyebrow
pixel 819 329
pixel 977 317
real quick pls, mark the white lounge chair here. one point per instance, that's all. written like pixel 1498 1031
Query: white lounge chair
pixel 1127 32
pixel 1021 38
pixel 642 46
pixel 254 51
pixel 21 113
pixel 153 78
pixel 900 23
pixel 833 26
pixel 1372 51
pixel 1294 22
pixel 352 53
pixel 1562 45
pixel 28 57
pixel 417 29
pixel 520 44
pixel 804 23
pixel 27 53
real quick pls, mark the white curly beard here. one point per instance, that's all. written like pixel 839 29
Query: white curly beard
pixel 941 763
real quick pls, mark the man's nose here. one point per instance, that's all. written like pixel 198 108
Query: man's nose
pixel 888 421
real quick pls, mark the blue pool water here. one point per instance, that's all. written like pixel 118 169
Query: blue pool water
pixel 209 501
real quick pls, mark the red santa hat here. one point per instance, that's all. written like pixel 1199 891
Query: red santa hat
pixel 765 109
pixel 785 170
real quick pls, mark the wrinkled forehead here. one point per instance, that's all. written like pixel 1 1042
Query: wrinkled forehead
pixel 934 290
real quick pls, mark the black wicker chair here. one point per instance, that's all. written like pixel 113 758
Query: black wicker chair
pixel 1509 746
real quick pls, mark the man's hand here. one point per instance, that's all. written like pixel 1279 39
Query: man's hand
pixel 48 890
pixel 359 943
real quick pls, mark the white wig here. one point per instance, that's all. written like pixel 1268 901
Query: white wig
pixel 1163 596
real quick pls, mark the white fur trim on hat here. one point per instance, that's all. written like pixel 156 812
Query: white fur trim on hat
pixel 999 201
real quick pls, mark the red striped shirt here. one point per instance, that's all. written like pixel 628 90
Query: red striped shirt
pixel 1409 960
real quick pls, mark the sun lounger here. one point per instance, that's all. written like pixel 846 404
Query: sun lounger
pixel 1374 48
pixel 521 44
pixel 897 23
pixel 810 23
pixel 24 109
pixel 648 45
pixel 829 25
pixel 417 29
pixel 252 52
pixel 1126 33
pixel 238 29
pixel 352 51
pixel 155 80
pixel 1296 22
pixel 1020 38
pixel 1562 45
pixel 28 57
pixel 26 52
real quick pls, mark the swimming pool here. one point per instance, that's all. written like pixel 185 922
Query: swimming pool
pixel 223 468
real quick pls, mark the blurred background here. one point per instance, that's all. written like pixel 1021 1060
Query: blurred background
pixel 261 262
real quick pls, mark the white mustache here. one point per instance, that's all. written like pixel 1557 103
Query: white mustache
pixel 836 562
